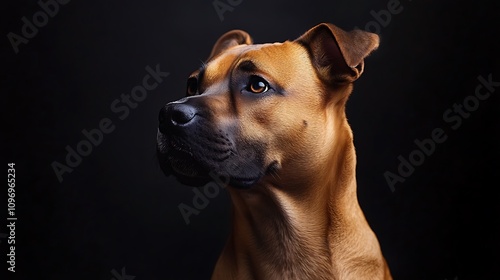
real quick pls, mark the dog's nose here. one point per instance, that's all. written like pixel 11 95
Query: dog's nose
pixel 176 115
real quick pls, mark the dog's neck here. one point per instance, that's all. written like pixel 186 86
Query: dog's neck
pixel 282 235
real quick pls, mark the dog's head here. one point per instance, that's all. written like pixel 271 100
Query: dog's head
pixel 257 111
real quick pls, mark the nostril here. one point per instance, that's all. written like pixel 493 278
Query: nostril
pixel 176 114
pixel 182 114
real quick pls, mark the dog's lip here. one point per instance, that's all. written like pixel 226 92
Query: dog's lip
pixel 244 183
pixel 181 159
pixel 182 166
pixel 176 145
pixel 185 169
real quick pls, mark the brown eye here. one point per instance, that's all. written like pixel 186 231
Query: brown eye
pixel 192 86
pixel 257 85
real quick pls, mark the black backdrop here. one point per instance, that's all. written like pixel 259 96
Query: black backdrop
pixel 115 216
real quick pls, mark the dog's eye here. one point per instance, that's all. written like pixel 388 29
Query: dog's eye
pixel 192 86
pixel 257 85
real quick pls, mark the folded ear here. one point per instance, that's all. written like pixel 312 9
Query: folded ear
pixel 337 54
pixel 230 39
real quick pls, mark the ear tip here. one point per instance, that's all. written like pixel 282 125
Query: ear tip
pixel 371 39
pixel 240 36
pixel 375 40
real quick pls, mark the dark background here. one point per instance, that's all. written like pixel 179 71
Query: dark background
pixel 116 209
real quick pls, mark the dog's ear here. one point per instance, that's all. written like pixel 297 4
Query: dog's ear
pixel 337 54
pixel 228 40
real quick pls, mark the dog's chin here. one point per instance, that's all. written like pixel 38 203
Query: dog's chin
pixel 190 173
pixel 184 169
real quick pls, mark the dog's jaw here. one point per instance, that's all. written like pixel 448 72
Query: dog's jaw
pixel 182 158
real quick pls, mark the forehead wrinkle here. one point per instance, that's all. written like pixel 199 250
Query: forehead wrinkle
pixel 255 59
pixel 217 68
pixel 226 61
pixel 265 58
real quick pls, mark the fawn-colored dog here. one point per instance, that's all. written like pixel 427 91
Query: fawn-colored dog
pixel 271 119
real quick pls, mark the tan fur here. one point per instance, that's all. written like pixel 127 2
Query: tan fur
pixel 304 221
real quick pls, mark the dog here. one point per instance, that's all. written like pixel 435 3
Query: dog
pixel 270 119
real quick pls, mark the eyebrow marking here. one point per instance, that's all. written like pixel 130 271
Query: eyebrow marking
pixel 247 66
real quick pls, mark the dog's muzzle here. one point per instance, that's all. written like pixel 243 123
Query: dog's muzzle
pixel 193 149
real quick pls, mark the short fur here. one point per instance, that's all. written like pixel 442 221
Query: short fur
pixel 299 218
